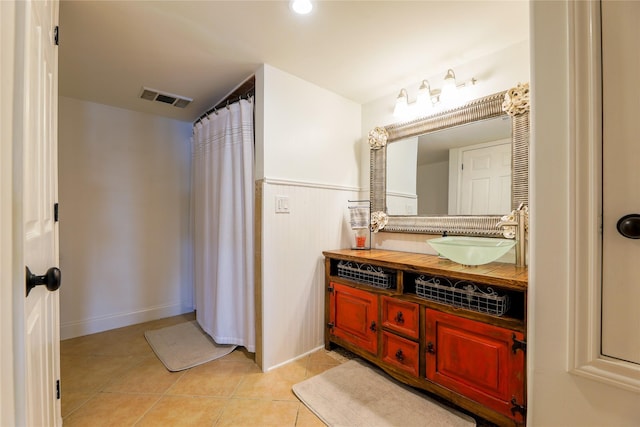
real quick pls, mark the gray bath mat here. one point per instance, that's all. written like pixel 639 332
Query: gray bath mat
pixel 355 394
pixel 184 346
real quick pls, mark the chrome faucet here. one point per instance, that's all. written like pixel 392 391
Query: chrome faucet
pixel 519 221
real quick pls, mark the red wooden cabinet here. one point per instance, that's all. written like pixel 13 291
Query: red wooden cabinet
pixel 481 361
pixel 353 316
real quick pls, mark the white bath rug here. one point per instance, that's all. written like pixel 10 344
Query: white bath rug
pixel 185 345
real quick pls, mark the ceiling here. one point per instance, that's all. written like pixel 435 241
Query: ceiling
pixel 202 50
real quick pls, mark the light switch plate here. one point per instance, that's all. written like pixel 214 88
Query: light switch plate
pixel 282 204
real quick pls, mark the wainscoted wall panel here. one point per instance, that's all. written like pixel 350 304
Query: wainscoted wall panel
pixel 293 265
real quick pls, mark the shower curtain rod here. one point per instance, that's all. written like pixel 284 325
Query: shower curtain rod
pixel 224 104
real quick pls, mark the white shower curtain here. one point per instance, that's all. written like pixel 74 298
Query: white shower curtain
pixel 223 216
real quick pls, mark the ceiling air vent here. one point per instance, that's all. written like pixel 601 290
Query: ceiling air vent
pixel 166 98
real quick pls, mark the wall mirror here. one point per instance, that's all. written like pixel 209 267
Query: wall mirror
pixel 457 171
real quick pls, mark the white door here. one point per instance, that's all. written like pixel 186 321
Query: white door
pixel 38 128
pixel 485 180
pixel 621 180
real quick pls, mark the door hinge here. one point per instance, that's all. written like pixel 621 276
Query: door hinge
pixel 56 33
pixel 518 344
pixel 330 325
pixel 58 389
pixel 330 289
pixel 516 407
pixel 55 212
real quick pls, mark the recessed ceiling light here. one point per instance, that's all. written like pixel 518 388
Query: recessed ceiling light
pixel 301 7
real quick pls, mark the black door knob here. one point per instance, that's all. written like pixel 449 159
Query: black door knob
pixel 629 226
pixel 51 279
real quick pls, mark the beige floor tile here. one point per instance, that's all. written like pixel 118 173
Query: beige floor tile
pixel 274 384
pixel 111 409
pixel 251 413
pixel 149 376
pixel 72 400
pixel 129 340
pixel 306 418
pixel 217 378
pixel 110 343
pixel 179 411
pixel 324 357
pixel 92 373
pixel 114 379
pixel 319 362
pixel 240 354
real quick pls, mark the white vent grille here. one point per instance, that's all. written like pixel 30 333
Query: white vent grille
pixel 166 98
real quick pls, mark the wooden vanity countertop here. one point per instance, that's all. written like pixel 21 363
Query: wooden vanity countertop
pixel 495 273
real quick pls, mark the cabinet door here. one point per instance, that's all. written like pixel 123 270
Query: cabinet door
pixel 477 360
pixel 354 315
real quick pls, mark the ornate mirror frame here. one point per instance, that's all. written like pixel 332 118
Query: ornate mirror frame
pixel 514 103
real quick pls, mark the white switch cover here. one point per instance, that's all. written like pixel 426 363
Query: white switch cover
pixel 282 204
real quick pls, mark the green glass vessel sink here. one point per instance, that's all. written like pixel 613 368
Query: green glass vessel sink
pixel 471 250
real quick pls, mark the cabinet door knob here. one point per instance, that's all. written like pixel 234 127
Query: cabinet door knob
pixel 373 326
pixel 430 348
pixel 399 318
pixel 399 355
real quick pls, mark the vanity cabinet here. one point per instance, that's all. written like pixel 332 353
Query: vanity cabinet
pixel 457 332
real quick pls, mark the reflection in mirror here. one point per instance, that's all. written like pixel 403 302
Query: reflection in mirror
pixel 462 170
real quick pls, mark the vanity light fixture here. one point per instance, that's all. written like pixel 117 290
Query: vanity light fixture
pixel 301 7
pixel 429 99
pixel 402 104
pixel 423 99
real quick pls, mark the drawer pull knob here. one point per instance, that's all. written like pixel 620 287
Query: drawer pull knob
pixel 399 355
pixel 399 318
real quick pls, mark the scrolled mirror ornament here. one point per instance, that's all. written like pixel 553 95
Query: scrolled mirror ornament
pixel 378 221
pixel 516 100
pixel 378 138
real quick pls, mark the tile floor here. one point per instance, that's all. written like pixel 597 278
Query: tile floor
pixel 114 379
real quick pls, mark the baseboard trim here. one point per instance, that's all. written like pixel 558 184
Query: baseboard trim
pixel 119 320
pixel 313 350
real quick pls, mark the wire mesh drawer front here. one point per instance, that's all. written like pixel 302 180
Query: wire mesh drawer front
pixel 367 273
pixel 462 294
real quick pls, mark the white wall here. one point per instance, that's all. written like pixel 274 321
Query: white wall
pixel 402 160
pixel 433 188
pixel 307 141
pixel 556 397
pixel 124 181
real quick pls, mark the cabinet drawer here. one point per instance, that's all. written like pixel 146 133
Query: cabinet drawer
pixel 400 352
pixel 400 316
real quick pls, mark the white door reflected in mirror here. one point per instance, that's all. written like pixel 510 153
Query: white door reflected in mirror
pixel 463 170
